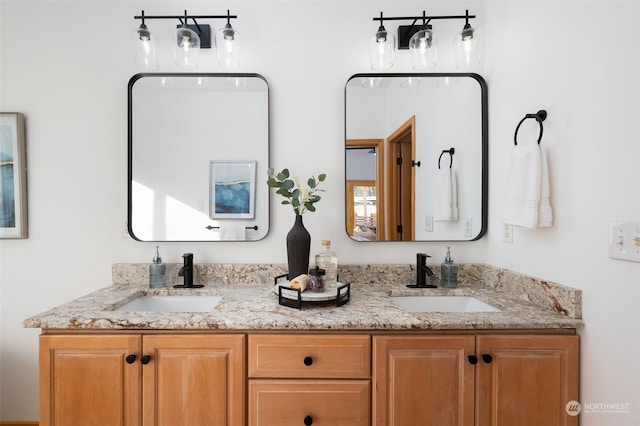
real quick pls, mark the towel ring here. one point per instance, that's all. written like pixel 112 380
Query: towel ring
pixel 540 116
pixel 215 228
pixel 450 151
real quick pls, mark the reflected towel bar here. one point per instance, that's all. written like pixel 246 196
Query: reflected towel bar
pixel 540 116
pixel 215 228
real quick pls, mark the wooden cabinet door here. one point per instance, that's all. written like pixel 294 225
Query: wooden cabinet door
pixel 195 380
pixel 86 380
pixel 425 380
pixel 526 380
pixel 282 402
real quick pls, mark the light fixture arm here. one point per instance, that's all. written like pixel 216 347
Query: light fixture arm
pixel 406 31
pixel 203 31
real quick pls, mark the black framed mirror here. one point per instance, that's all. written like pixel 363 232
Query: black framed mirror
pixel 198 147
pixel 416 157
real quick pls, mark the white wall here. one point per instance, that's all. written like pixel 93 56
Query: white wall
pixel 581 62
pixel 75 104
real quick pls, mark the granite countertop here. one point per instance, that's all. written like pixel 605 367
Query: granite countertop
pixel 255 307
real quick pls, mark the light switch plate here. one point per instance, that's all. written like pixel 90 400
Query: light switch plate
pixel 624 240
pixel 428 223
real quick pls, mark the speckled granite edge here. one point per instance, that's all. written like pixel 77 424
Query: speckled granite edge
pixel 546 294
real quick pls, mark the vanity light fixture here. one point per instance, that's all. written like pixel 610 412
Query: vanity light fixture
pixel 189 39
pixel 381 47
pixel 145 46
pixel 422 42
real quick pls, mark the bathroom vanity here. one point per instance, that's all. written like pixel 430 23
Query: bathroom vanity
pixel 251 361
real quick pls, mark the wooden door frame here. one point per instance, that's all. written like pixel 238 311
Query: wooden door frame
pixel 408 128
pixel 381 207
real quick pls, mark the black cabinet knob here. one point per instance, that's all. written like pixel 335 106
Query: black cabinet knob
pixel 308 421
pixel 487 358
pixel 473 360
pixel 130 359
pixel 308 361
pixel 145 359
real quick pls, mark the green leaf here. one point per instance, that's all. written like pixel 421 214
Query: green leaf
pixel 288 184
pixel 310 207
pixel 270 171
pixel 311 182
pixel 295 202
pixel 314 198
pixel 285 202
pixel 322 177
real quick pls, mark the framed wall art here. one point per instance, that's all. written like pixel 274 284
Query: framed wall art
pixel 232 189
pixel 13 176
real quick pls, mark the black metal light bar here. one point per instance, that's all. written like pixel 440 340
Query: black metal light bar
pixel 405 32
pixel 203 30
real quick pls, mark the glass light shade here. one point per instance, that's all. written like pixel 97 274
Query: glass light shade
pixel 468 47
pixel 186 48
pixel 228 43
pixel 381 47
pixel 423 45
pixel 144 46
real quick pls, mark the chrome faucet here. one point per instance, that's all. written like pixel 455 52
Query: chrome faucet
pixel 187 272
pixel 422 272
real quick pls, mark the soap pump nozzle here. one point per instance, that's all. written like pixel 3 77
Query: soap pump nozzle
pixel 157 259
pixel 448 256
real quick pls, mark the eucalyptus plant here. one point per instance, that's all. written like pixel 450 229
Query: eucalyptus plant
pixel 288 185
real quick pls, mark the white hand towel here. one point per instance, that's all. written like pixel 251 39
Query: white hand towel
pixel 523 186
pixel 232 233
pixel 545 215
pixel 447 207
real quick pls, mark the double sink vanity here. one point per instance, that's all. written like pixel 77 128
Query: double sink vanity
pixel 499 349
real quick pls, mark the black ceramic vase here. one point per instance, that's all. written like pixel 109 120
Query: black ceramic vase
pixel 298 247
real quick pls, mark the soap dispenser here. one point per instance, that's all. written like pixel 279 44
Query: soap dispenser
pixel 448 272
pixel 157 271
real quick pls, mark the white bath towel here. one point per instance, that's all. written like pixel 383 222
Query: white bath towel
pixel 232 233
pixel 447 207
pixel 527 197
pixel 545 214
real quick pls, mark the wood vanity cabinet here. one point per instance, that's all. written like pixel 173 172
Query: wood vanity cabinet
pixel 142 379
pixel 304 379
pixel 481 380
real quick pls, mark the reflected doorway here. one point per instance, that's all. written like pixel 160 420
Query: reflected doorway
pixel 364 190
pixel 401 182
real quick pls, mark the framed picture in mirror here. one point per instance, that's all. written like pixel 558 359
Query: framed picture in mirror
pixel 13 176
pixel 232 189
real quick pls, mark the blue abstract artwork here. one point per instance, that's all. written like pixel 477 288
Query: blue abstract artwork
pixel 232 189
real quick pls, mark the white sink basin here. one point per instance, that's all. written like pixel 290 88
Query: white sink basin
pixel 442 304
pixel 171 304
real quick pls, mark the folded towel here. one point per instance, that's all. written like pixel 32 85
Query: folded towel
pixel 301 282
pixel 447 207
pixel 545 215
pixel 527 197
pixel 232 233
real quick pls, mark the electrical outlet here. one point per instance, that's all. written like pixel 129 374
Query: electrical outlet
pixel 428 223
pixel 507 233
pixel 624 240
pixel 468 227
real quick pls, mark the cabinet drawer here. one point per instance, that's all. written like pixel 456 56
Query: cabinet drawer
pixel 304 356
pixel 305 402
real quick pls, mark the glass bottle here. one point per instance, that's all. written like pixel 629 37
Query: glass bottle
pixel 157 271
pixel 328 260
pixel 449 272
pixel 316 280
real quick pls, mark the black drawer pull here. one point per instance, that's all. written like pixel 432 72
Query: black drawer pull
pixel 145 359
pixel 308 361
pixel 473 360
pixel 487 358
pixel 130 359
pixel 308 421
